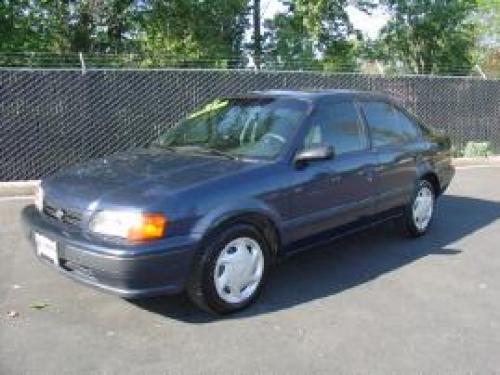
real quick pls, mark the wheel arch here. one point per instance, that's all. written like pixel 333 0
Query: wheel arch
pixel 433 180
pixel 262 221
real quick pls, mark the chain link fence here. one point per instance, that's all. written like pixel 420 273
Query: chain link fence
pixel 53 118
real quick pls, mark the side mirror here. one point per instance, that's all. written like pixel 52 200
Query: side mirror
pixel 314 153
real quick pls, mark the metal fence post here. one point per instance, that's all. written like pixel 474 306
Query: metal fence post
pixel 82 63
pixel 480 71
pixel 380 68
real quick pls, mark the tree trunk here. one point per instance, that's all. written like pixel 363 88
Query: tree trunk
pixel 257 37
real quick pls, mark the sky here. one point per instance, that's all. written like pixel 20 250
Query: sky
pixel 370 25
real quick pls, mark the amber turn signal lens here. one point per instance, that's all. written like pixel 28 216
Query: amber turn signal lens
pixel 150 227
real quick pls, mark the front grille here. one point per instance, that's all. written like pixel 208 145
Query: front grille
pixel 65 216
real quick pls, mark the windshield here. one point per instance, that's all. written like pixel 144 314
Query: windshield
pixel 254 128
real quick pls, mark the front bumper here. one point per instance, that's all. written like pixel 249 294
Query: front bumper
pixel 142 270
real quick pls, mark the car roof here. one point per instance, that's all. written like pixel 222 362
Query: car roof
pixel 313 95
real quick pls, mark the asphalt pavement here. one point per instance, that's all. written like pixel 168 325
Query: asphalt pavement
pixel 371 303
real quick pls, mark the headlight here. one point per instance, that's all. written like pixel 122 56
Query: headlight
pixel 39 198
pixel 134 226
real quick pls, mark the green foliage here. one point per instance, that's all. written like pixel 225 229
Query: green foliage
pixel 18 30
pixel 204 30
pixel 64 26
pixel 488 21
pixel 155 29
pixel 477 149
pixel 429 36
pixel 488 18
pixel 423 36
pixel 287 44
pixel 312 34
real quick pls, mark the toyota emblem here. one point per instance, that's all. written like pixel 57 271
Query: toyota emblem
pixel 59 214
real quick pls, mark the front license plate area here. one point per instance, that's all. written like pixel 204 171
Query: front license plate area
pixel 46 248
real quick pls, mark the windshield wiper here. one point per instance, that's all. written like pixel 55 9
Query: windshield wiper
pixel 197 148
pixel 164 147
pixel 214 151
pixel 210 151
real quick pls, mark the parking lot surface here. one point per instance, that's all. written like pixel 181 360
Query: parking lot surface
pixel 374 303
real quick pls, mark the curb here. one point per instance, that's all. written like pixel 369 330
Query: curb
pixel 18 188
pixel 479 161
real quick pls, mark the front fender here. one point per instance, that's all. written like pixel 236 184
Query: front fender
pixel 232 210
pixel 425 167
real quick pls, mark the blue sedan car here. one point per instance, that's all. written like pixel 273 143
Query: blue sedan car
pixel 245 180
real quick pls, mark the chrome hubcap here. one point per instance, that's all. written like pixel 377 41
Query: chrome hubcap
pixel 422 208
pixel 238 270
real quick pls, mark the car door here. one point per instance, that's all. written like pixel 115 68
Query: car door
pixel 395 140
pixel 329 193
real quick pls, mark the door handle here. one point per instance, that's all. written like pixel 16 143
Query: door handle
pixel 368 173
pixel 335 179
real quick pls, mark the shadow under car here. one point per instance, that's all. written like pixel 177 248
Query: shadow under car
pixel 348 262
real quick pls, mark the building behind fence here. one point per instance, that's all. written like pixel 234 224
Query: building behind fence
pixel 53 118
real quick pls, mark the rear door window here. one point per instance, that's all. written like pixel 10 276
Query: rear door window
pixel 388 125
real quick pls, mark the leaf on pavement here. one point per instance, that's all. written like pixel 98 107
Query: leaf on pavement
pixel 39 305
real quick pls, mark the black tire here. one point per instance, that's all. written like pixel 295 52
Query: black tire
pixel 407 223
pixel 201 286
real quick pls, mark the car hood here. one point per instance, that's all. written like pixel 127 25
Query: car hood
pixel 133 179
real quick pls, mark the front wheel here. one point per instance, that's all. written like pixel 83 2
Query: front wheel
pixel 418 214
pixel 231 270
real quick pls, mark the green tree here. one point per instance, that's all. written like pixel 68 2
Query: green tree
pixel 65 27
pixel 489 22
pixel 89 25
pixel 18 29
pixel 209 31
pixel 488 49
pixel 313 34
pixel 287 44
pixel 429 36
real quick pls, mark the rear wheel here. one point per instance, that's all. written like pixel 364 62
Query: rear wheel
pixel 418 214
pixel 230 272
